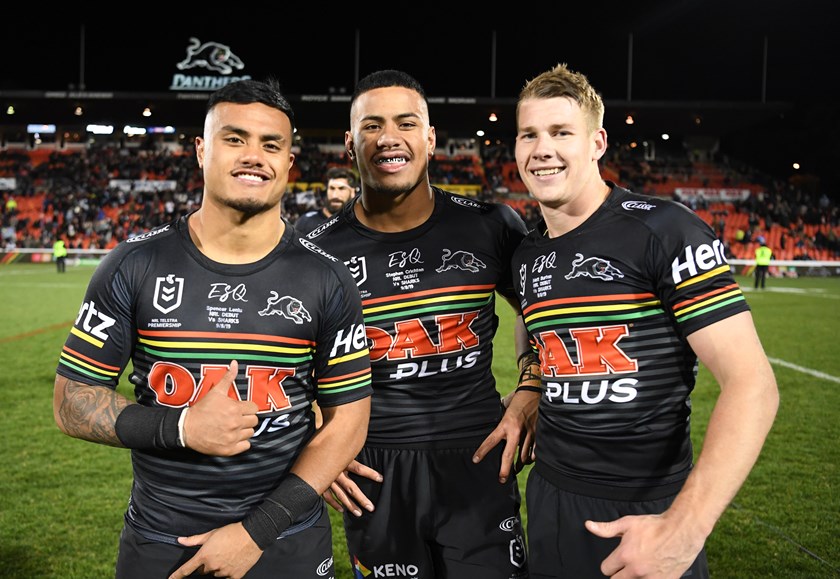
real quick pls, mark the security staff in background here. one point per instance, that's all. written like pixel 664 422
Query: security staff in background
pixel 763 255
pixel 60 255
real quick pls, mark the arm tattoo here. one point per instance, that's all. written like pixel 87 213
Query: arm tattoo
pixel 526 358
pixel 90 412
pixel 528 374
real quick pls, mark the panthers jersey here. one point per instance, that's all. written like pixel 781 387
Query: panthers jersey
pixel 293 322
pixel 608 307
pixel 428 297
pixel 310 220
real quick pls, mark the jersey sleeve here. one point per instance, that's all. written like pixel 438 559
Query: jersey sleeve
pixel 695 281
pixel 513 232
pixel 342 365
pixel 99 344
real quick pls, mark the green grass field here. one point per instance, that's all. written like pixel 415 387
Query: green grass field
pixel 62 500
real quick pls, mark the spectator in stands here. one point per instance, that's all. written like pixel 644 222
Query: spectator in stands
pixel 229 469
pixel 763 254
pixel 340 189
pixel 429 264
pixel 719 223
pixel 60 255
pixel 8 231
pixel 620 307
pixel 11 205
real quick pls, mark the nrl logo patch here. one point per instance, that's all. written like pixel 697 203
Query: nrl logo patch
pixel 358 268
pixel 168 293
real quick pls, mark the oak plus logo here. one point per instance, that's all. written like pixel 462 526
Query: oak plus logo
pixel 168 293
pixel 598 353
pixel 176 386
pixel 413 348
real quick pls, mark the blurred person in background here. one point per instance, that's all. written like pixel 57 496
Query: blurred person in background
pixel 763 255
pixel 60 255
pixel 340 188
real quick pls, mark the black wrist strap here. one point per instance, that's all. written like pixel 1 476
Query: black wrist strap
pixel 148 427
pixel 292 499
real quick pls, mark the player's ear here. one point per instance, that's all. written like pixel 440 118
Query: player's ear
pixel 199 151
pixel 600 143
pixel 349 145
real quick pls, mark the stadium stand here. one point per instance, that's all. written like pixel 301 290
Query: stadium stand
pixel 95 197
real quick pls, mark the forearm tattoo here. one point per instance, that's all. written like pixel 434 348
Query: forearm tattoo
pixel 90 412
pixel 527 363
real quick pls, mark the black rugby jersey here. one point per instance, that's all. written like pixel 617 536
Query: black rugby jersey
pixel 608 307
pixel 310 220
pixel 293 322
pixel 428 296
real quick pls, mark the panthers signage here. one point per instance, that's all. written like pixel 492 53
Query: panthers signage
pixel 208 66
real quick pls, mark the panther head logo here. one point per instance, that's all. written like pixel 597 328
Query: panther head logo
pixel 212 56
pixel 288 307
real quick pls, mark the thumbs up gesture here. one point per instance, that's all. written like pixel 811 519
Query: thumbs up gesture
pixel 217 424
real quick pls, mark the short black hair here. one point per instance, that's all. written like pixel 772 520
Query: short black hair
pixel 248 91
pixel 386 78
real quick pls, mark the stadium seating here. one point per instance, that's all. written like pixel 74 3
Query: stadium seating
pixel 95 197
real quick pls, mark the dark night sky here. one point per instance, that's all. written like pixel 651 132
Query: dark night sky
pixel 729 51
pixel 682 49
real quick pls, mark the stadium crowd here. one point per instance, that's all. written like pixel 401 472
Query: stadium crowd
pixel 97 196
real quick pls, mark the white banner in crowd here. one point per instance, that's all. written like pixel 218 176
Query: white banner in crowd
pixel 712 193
pixel 142 185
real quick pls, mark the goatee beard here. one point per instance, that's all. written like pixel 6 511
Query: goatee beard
pixel 248 207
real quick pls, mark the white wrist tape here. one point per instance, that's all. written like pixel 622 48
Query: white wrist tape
pixel 182 436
